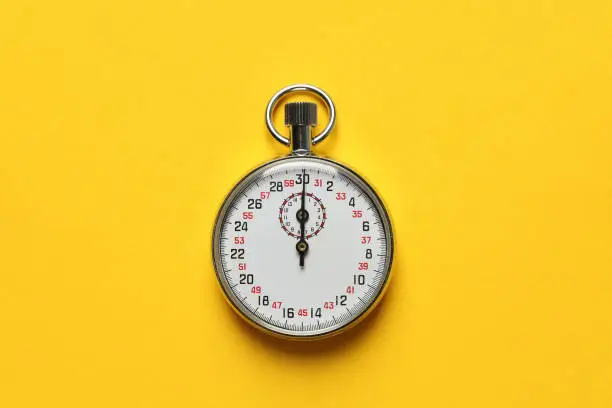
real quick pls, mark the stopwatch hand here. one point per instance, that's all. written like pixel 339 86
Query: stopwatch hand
pixel 302 216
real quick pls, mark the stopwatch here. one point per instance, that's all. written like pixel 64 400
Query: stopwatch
pixel 302 245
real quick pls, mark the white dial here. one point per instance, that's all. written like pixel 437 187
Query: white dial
pixel 303 247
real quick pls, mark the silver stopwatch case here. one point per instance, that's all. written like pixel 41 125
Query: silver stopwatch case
pixel 302 245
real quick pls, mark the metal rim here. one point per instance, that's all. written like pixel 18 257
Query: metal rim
pixel 240 307
pixel 297 88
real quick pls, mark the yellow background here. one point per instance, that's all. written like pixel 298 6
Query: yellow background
pixel 486 126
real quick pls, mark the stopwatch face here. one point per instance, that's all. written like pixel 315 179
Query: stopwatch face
pixel 303 247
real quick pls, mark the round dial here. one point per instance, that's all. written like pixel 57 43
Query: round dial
pixel 302 247
pixel 288 215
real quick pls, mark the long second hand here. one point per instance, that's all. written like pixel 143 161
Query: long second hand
pixel 302 245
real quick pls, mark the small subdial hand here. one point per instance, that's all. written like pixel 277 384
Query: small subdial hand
pixel 302 217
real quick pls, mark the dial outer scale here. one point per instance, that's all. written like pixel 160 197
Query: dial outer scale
pixel 348 263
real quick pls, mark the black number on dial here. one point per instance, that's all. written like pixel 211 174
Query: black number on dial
pixel 254 204
pixel 276 186
pixel 237 254
pixel 300 176
pixel 247 279
pixel 241 226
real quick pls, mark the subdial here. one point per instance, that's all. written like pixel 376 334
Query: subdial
pixel 290 214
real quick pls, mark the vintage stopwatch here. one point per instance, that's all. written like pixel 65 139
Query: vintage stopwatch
pixel 302 245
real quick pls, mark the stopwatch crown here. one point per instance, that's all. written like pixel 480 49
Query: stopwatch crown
pixel 301 114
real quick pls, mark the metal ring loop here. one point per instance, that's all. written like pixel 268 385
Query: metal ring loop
pixel 294 88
